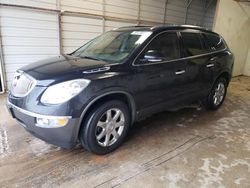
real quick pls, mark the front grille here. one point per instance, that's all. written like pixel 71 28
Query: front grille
pixel 22 84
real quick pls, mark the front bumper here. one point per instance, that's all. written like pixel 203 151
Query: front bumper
pixel 65 136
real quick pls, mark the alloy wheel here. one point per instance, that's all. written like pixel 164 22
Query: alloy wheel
pixel 110 127
pixel 219 94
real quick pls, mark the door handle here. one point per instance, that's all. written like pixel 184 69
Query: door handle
pixel 213 58
pixel 210 65
pixel 154 60
pixel 180 72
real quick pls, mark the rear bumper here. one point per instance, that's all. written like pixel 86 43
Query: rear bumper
pixel 66 136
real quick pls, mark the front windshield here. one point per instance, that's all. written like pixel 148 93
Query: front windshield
pixel 113 46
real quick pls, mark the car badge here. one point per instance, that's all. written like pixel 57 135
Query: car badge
pixel 16 78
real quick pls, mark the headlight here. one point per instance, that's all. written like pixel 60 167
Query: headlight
pixel 62 92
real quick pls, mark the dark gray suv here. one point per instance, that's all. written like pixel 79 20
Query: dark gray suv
pixel 96 93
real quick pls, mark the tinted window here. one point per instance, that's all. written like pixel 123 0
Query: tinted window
pixel 214 42
pixel 165 47
pixel 192 44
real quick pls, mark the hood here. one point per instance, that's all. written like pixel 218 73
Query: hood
pixel 61 66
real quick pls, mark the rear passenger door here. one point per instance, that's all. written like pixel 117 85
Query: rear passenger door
pixel 195 54
pixel 214 44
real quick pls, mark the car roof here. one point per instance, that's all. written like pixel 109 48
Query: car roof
pixel 165 27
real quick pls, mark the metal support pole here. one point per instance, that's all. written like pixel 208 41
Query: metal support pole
pixel 58 4
pixel 216 13
pixel 103 14
pixel 188 5
pixel 204 13
pixel 2 67
pixel 207 6
pixel 139 12
pixel 165 11
pixel 60 33
pixel 59 19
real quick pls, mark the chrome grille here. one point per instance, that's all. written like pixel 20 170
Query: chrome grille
pixel 22 84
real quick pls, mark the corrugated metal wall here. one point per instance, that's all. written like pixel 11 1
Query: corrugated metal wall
pixel 175 11
pixel 29 34
pixel 149 10
pixel 50 4
pixel 195 13
pixel 87 6
pixel 78 30
pixel 208 19
pixel 122 8
pixel 201 16
pixel 109 25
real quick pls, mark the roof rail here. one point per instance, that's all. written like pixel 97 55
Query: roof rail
pixel 129 26
pixel 181 26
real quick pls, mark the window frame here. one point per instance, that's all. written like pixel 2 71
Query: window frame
pixel 135 62
pixel 207 41
pixel 152 40
pixel 181 48
pixel 202 42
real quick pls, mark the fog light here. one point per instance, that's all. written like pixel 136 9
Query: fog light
pixel 42 121
pixel 51 123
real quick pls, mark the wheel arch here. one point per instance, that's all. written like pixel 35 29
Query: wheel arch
pixel 126 97
pixel 224 74
pixel 207 101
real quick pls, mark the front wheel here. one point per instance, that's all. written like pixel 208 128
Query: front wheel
pixel 217 95
pixel 106 127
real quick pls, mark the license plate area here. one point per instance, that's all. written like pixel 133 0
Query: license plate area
pixel 23 119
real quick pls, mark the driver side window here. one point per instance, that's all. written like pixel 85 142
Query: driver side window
pixel 164 47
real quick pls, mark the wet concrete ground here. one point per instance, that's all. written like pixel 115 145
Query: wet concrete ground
pixel 188 148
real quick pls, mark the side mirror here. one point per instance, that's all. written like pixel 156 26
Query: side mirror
pixel 152 56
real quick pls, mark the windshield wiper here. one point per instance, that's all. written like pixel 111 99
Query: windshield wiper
pixel 89 57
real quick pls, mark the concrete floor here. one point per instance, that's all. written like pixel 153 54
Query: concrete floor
pixel 188 148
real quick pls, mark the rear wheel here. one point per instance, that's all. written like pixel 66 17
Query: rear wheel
pixel 217 95
pixel 106 127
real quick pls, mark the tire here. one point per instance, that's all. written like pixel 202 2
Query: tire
pixel 98 134
pixel 219 91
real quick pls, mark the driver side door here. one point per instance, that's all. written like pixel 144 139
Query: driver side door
pixel 161 74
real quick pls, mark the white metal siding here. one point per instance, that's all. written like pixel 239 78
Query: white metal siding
pixel 76 31
pixel 49 4
pixel 86 6
pixel 152 11
pixel 109 25
pixel 27 36
pixel 122 8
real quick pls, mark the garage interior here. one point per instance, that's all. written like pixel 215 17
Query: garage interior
pixel 191 147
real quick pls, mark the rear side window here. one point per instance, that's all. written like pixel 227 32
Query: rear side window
pixel 214 42
pixel 192 44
